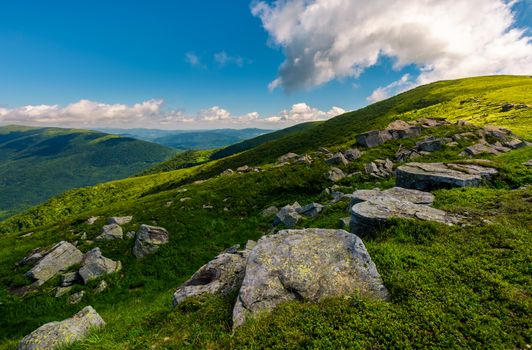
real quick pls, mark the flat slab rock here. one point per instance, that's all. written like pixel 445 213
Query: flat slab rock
pixel 55 334
pixel 58 259
pixel 306 265
pixel 427 176
pixel 373 213
pixel 413 196
pixel 222 275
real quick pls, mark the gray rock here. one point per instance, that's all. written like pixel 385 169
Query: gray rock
pixel 32 257
pixel 337 159
pixel 515 143
pixel 400 129
pixel 324 151
pixel 227 172
pixel 478 149
pixel 59 259
pixel 288 215
pixel 507 107
pixel 352 154
pixel 369 215
pixel 131 234
pixel 111 232
pixel 373 138
pixel 311 210
pixel 304 159
pixel 149 239
pixel 270 211
pixel 55 334
pixel 335 174
pixel 306 265
pixel 244 169
pixel 343 223
pixel 92 220
pixel 220 276
pixel 379 168
pixel 76 297
pixel 427 176
pixel 431 144
pixel 100 287
pixel 413 196
pixel 69 278
pixel 528 163
pixel 432 122
pixel 119 220
pixel 287 158
pixel 60 291
pixel 95 265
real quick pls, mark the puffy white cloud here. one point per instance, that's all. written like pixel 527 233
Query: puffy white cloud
pixel 328 39
pixel 391 89
pixel 151 114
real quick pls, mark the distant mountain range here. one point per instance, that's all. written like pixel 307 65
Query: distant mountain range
pixel 37 163
pixel 190 139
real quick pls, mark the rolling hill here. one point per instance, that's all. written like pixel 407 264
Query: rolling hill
pixel 37 163
pixel 450 286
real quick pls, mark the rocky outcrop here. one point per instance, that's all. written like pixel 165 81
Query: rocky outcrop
pixel 379 168
pixel 55 334
pixel 95 265
pixel 222 275
pixel 412 196
pixel 372 214
pixel 306 265
pixel 111 232
pixel 58 259
pixel 288 215
pixel 119 220
pixel 335 174
pixel 427 176
pixel 149 239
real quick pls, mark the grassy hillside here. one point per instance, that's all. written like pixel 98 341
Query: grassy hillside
pixel 37 163
pixel 451 287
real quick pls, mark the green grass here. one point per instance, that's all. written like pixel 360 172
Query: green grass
pixel 451 287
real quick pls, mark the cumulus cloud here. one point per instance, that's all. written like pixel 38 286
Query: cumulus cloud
pixel 328 39
pixel 151 114
pixel 384 92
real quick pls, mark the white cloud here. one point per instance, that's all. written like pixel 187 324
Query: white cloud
pixel 224 59
pixel 151 114
pixel 329 39
pixel 193 59
pixel 384 92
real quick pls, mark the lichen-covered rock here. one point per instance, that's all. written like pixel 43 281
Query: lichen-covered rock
pixel 94 265
pixel 306 265
pixel 427 176
pixel 222 275
pixel 335 174
pixel 58 259
pixel 55 334
pixel 119 220
pixel 111 232
pixel 413 196
pixel 149 239
pixel 373 213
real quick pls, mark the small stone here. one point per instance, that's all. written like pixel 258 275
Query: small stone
pixel 335 174
pixel 149 239
pixel 169 204
pixel 287 158
pixel 111 232
pixel 60 291
pixel 244 169
pixel 184 199
pixel 207 206
pixel 76 297
pixel 528 163
pixel 268 212
pixel 352 154
pixel 69 278
pixel 337 159
pixel 227 172
pixel 288 215
pixel 119 220
pixel 92 220
pixel 100 287
pixel 311 210
pixel 83 236
pixel 343 223
pixel 304 159
pixel 130 234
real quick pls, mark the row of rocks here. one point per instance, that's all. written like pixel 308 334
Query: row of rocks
pixel 241 170
pixel 294 158
pixel 344 157
pixel 302 265
pixel 379 168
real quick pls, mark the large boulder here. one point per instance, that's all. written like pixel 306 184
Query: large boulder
pixel 111 232
pixel 373 138
pixel 57 334
pixel 306 265
pixel 58 259
pixel 222 275
pixel 413 196
pixel 400 129
pixel 368 216
pixel 427 176
pixel 95 265
pixel 148 240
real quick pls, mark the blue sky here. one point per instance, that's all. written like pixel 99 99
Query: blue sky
pixel 122 53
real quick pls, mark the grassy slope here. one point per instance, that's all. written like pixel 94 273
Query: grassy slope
pixel 451 287
pixel 53 160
